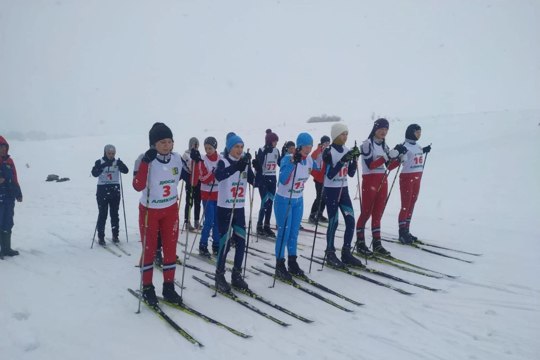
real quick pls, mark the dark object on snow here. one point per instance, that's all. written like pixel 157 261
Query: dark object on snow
pixel 63 179
pixel 52 177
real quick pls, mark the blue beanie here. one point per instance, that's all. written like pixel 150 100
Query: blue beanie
pixel 233 140
pixel 304 139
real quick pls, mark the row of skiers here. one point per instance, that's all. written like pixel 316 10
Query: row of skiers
pixel 224 179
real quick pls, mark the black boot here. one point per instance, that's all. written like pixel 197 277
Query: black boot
pixel 115 239
pixel 215 250
pixel 333 261
pixel 2 246
pixel 222 284
pixel 170 294
pixel 281 271
pixel 294 269
pixel 404 236
pixel 237 281
pixel 362 249
pixel 101 240
pixel 203 251
pixel 348 259
pixel 323 219
pixel 149 295
pixel 260 230
pixel 8 251
pixel 414 238
pixel 313 219
pixel 379 249
pixel 268 232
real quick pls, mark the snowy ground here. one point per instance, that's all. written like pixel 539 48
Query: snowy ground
pixel 61 300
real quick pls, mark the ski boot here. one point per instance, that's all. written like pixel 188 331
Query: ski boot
pixel 379 249
pixel 268 232
pixel 405 237
pixel 323 219
pixel 115 239
pixel 312 219
pixel 101 240
pixel 362 249
pixel 149 295
pixel 348 259
pixel 203 251
pixel 333 261
pixel 237 281
pixel 170 295
pixel 294 269
pixel 260 230
pixel 222 284
pixel 6 244
pixel 281 271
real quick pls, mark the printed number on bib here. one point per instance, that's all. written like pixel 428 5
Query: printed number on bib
pixel 109 176
pixel 418 160
pixel 271 167
pixel 166 190
pixel 343 171
pixel 240 193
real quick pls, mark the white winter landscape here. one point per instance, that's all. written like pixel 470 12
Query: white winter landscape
pixel 82 74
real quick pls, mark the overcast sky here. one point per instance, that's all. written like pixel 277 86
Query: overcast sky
pixel 99 66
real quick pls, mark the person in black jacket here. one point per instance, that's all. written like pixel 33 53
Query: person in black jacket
pixel 107 170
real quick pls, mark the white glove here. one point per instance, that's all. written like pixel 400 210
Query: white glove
pixel 393 154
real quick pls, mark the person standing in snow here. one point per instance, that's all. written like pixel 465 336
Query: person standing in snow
pixel 340 162
pixel 157 174
pixel 409 180
pixel 289 205
pixel 265 163
pixel 193 191
pixel 318 206
pixel 377 161
pixel 10 190
pixel 233 173
pixel 209 196
pixel 108 171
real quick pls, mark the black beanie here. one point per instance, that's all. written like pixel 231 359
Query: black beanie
pixel 325 139
pixel 381 123
pixel 211 141
pixel 159 131
pixel 411 129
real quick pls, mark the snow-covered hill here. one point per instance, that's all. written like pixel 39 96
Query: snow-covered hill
pixel 61 300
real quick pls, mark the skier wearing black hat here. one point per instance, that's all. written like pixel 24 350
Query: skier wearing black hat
pixel 107 170
pixel 377 161
pixel 409 180
pixel 191 157
pixel 265 163
pixel 156 175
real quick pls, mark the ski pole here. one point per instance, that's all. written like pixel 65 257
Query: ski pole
pixel 316 227
pixel 144 235
pixel 251 191
pixel 425 160
pixel 123 205
pixel 391 187
pixel 94 237
pixel 187 230
pixel 180 202
pixel 284 227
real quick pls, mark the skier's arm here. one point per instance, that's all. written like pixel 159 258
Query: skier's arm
pixel 223 172
pixel 122 167
pixel 97 169
pixel 286 168
pixel 141 174
pixel 352 168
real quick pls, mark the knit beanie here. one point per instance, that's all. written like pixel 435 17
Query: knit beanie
pixel 192 142
pixel 270 137
pixel 159 131
pixel 411 129
pixel 381 123
pixel 325 139
pixel 232 141
pixel 338 129
pixel 211 141
pixel 304 139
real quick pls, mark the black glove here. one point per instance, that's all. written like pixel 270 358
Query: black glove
pixel 327 156
pixel 195 155
pixel 297 157
pixel 247 157
pixel 242 164
pixel 426 149
pixel 256 165
pixel 107 162
pixel 149 155
pixel 401 148
pixel 120 163
pixel 268 149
